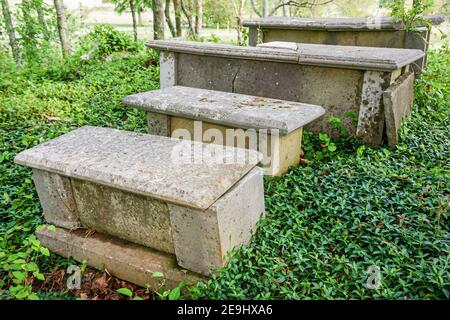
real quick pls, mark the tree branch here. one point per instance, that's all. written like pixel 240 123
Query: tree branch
pixel 302 4
pixel 255 8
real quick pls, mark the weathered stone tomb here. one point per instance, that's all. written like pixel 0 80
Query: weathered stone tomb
pixel 153 202
pixel 274 127
pixel 348 82
pixel 383 32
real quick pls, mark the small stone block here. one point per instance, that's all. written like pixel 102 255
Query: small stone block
pixel 203 239
pixel 122 259
pixel 398 100
pixel 56 197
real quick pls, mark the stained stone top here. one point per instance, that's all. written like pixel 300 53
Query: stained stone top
pixel 142 163
pixel 224 50
pixel 336 24
pixel 350 57
pixel 228 109
pixel 353 57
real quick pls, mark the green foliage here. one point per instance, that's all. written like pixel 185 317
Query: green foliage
pixel 19 261
pixel 410 17
pixel 36 29
pixel 35 106
pixel 123 5
pixel 105 40
pixel 219 13
pixel 349 208
pixel 329 221
pixel 184 289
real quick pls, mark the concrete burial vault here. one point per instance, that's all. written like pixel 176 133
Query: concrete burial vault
pixel 367 32
pixel 154 202
pixel 348 82
pixel 274 127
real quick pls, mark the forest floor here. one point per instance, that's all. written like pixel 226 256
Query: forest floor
pixel 347 209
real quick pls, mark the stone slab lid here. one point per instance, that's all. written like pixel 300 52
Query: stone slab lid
pixel 223 50
pixel 349 57
pixel 144 164
pixel 336 24
pixel 353 57
pixel 228 109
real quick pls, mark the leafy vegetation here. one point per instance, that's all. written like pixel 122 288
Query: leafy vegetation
pixel 347 208
pixel 38 103
pixel 329 221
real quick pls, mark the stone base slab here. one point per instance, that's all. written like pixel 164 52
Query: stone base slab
pixel 122 259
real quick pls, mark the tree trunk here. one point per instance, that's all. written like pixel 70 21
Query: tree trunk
pixel 255 8
pixel 188 14
pixel 133 15
pixel 10 29
pixel 168 19
pixel 140 22
pixel 158 19
pixel 239 11
pixel 199 16
pixel 177 9
pixel 265 8
pixel 284 11
pixel 62 27
pixel 42 22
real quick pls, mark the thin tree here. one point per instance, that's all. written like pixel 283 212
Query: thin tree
pixel 265 11
pixel 239 11
pixel 133 15
pixel 177 9
pixel 199 16
pixel 10 29
pixel 186 7
pixel 169 19
pixel 62 27
pixel 158 19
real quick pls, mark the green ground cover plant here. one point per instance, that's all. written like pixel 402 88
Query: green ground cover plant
pixel 345 209
pixel 329 221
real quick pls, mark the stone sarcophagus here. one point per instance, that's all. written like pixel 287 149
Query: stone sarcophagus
pixel 382 32
pixel 155 203
pixel 348 82
pixel 273 127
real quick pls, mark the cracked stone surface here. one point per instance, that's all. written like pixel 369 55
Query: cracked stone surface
pixel 144 164
pixel 232 109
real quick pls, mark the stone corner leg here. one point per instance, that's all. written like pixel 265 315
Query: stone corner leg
pixel 202 239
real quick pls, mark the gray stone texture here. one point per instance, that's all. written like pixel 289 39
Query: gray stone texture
pixel 229 109
pixel 142 164
pixel 338 91
pixel 338 78
pixel 371 115
pixel 309 54
pixel 57 200
pixel 126 185
pixel 367 32
pixel 158 124
pixel 128 216
pixel 122 259
pixel 330 23
pixel 351 57
pixel 167 67
pixel 228 223
pixel 398 100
